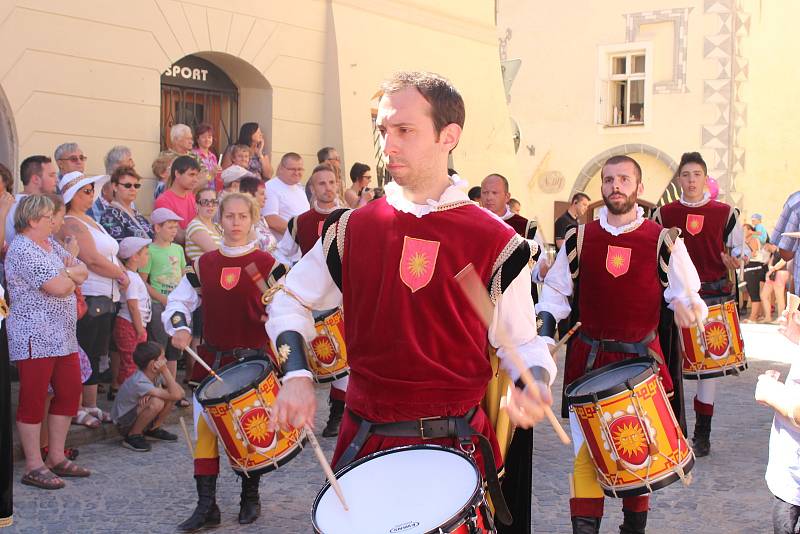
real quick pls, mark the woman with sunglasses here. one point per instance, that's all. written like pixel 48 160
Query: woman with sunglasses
pixel 98 250
pixel 121 219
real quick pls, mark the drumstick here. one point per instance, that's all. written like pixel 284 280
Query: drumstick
pixel 186 435
pixel 326 466
pixel 476 294
pixel 565 338
pixel 202 362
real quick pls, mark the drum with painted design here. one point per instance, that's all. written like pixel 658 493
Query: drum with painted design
pixel 327 354
pixel 630 429
pixel 239 410
pixel 719 349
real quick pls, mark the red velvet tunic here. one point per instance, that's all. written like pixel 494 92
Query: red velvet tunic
pixel 415 353
pixel 625 307
pixel 518 223
pixel 308 229
pixel 232 307
pixel 703 232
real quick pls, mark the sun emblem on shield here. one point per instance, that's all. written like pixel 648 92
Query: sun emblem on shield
pixel 418 262
pixel 628 434
pixel 229 277
pixel 324 350
pixel 255 424
pixel 717 340
pixel 694 223
pixel 618 260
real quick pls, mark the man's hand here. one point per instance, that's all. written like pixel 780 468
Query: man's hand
pixel 181 339
pixel 768 389
pixel 730 262
pixel 685 316
pixel 295 405
pixel 544 266
pixel 526 408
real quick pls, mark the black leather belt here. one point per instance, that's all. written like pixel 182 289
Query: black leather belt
pixel 238 353
pixel 426 428
pixel 716 292
pixel 612 345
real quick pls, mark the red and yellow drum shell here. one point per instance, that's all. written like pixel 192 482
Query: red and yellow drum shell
pixel 241 421
pixel 633 464
pixel 718 351
pixel 326 353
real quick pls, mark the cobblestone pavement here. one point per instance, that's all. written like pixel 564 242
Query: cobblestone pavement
pixel 131 492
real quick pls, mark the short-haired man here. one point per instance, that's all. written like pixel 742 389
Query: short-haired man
pixel 425 230
pixel 710 229
pixel 627 263
pixel 39 176
pixel 69 157
pixel 301 235
pixel 286 198
pixel 330 156
pixel 359 193
pixel 571 218
pixel 180 196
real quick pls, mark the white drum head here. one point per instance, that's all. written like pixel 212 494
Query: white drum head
pixel 406 491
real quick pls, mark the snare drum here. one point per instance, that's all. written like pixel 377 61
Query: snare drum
pixel 408 490
pixel 630 429
pixel 719 350
pixel 327 355
pixel 238 409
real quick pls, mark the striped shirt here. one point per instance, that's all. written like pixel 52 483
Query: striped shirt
pixel 789 221
pixel 193 250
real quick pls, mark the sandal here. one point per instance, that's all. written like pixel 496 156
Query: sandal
pixel 100 415
pixel 183 403
pixel 69 469
pixel 70 453
pixel 42 478
pixel 84 418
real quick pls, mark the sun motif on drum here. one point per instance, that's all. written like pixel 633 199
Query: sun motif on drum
pixel 717 338
pixel 324 350
pixel 255 424
pixel 629 437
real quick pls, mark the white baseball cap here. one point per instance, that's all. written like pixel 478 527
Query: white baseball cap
pixel 131 245
pixel 162 215
pixel 235 173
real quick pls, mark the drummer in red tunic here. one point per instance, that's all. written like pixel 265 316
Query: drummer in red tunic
pixel 618 268
pixel 710 229
pixel 302 232
pixel 233 328
pixel 416 349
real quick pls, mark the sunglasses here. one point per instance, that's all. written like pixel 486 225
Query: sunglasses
pixel 206 202
pixel 129 185
pixel 74 159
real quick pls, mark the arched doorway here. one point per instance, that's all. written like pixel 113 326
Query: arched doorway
pixel 8 135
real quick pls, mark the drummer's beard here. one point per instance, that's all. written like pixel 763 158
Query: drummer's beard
pixel 616 205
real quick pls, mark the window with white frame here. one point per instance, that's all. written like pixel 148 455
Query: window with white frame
pixel 624 98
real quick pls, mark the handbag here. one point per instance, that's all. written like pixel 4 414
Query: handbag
pixel 99 305
pixel 81 303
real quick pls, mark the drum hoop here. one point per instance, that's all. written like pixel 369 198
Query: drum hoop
pixel 476 496
pixel 225 399
pixel 325 314
pixel 572 398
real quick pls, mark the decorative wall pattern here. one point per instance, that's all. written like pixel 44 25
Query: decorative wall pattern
pixel 680 22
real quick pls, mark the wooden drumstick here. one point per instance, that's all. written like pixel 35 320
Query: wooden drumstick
pixel 565 338
pixel 326 467
pixel 476 294
pixel 202 362
pixel 186 435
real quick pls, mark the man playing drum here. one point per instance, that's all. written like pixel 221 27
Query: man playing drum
pixel 233 328
pixel 707 227
pixel 416 349
pixel 617 267
pixel 302 232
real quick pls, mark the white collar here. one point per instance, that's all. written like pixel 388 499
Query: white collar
pixel 326 211
pixel 618 230
pixel 706 198
pixel 455 193
pixel 507 215
pixel 237 251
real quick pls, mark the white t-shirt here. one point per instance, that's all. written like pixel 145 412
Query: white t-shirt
pixel 286 201
pixel 10 232
pixel 137 290
pixel 783 469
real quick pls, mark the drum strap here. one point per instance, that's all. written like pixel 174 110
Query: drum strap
pixel 610 345
pixel 434 428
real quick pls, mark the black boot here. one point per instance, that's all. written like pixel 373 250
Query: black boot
pixel 207 512
pixel 701 442
pixel 335 417
pixel 634 523
pixel 249 503
pixel 585 525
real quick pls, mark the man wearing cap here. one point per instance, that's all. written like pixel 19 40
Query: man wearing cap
pixel 39 176
pixel 286 198
pixel 179 197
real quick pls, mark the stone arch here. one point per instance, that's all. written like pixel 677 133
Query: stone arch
pixel 594 164
pixel 8 135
